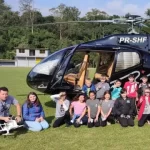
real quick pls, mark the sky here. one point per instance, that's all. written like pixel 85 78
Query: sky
pixel 118 7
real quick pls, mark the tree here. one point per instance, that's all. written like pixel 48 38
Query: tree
pixel 3 7
pixel 96 14
pixel 127 15
pixel 148 12
pixel 71 14
pixel 26 6
pixel 64 13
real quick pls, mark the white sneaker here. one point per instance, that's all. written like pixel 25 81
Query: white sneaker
pixel 81 122
pixel 108 123
pixel 92 120
pixel 71 121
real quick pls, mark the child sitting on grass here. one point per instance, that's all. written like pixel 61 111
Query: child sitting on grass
pixel 33 113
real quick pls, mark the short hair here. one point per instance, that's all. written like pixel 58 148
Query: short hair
pixel 4 89
pixel 131 76
pixel 118 80
pixel 123 91
pixel 146 77
pixel 92 92
pixel 88 79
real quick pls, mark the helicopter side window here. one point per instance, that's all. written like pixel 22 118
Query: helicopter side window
pixel 126 60
pixel 105 65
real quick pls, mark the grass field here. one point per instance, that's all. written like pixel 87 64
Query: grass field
pixel 109 138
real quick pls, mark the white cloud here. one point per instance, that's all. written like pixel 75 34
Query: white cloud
pixel 131 8
pixel 120 7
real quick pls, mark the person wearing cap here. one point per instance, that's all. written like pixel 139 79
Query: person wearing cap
pixel 123 109
pixel 62 109
pixel 78 110
pixel 5 103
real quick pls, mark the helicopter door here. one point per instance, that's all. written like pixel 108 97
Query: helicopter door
pixel 58 80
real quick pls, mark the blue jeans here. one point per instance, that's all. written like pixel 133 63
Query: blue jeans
pixel 37 126
pixel 75 117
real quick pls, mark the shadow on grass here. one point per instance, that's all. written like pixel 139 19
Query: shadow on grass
pixel 18 131
pixel 50 104
pixel 49 119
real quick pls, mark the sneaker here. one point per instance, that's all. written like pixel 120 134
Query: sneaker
pixel 81 122
pixel 71 121
pixel 148 122
pixel 108 123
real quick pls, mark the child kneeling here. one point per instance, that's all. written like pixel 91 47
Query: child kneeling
pixel 106 110
pixel 93 105
pixel 79 107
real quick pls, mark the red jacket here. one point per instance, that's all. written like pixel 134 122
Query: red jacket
pixel 142 106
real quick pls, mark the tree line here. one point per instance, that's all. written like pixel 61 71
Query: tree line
pixel 28 28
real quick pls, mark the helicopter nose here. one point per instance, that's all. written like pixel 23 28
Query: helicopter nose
pixel 37 81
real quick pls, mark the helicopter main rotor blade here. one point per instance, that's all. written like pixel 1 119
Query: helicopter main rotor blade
pixel 98 21
pixel 66 22
pixel 143 25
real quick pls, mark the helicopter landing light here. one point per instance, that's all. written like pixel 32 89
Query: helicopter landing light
pixel 42 86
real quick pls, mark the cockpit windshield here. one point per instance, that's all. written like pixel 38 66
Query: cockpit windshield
pixel 48 65
pixel 41 75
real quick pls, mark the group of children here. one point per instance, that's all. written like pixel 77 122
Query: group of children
pixel 101 105
pixel 98 105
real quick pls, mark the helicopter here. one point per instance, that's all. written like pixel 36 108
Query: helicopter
pixel 117 57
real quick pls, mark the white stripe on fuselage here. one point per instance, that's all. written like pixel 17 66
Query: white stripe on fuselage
pixel 138 74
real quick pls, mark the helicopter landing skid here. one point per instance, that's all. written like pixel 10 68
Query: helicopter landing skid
pixel 6 134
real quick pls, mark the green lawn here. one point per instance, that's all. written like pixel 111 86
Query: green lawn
pixel 111 137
